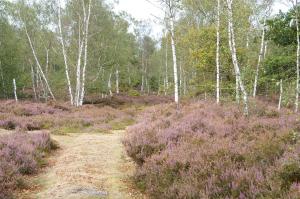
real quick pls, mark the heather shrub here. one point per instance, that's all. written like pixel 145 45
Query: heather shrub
pixel 209 151
pixel 20 154
pixel 7 124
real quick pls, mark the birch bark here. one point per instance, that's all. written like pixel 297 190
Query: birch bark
pixel 65 57
pixel 260 57
pixel 86 32
pixel 33 82
pixel 38 64
pixel 171 10
pixel 15 90
pixel 218 54
pixel 280 95
pixel 109 85
pixel 117 81
pixel 298 56
pixel 2 81
pixel 234 57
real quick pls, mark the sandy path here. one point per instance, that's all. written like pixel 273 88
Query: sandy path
pixel 87 166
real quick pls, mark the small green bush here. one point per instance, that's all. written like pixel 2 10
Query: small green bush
pixel 289 174
pixel 133 93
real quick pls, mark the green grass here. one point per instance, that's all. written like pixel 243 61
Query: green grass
pixel 121 125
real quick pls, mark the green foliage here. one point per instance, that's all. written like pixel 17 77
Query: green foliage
pixel 280 67
pixel 289 174
pixel 133 93
pixel 282 29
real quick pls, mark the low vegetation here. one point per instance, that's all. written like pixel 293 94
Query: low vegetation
pixel 21 154
pixel 209 151
pixel 27 127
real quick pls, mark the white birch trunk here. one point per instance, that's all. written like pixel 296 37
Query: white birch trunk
pixel 234 57
pixel 142 87
pixel 78 68
pixel 2 81
pixel 237 87
pixel 109 85
pixel 148 86
pixel 184 85
pixel 47 62
pixel 129 76
pixel 117 81
pixel 42 86
pixel 260 57
pixel 46 71
pixel 87 20
pixel 15 90
pixel 65 57
pixel 280 95
pixel 266 49
pixel 218 54
pixel 167 76
pixel 174 57
pixel 38 64
pixel 298 56
pixel 143 69
pixel 33 82
pixel 180 76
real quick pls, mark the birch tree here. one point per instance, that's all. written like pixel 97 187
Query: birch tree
pixel 86 33
pixel 15 90
pixel 65 55
pixel 171 7
pixel 109 85
pixel 218 53
pixel 38 63
pixel 117 81
pixel 298 56
pixel 280 94
pixel 232 46
pixel 263 48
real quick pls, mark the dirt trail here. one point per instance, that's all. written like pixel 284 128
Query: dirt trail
pixel 87 166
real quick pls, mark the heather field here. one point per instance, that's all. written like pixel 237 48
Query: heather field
pixel 150 99
pixel 39 142
pixel 146 147
pixel 209 151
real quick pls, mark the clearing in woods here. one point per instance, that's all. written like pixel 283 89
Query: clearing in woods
pixel 87 166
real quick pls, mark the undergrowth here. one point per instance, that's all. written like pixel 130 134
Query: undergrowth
pixel 21 154
pixel 209 151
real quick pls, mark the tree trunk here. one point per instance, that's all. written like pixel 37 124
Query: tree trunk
pixel 15 89
pixel 117 81
pixel 33 82
pixel 174 58
pixel 298 56
pixel 280 95
pixel 86 32
pixel 2 81
pixel 38 64
pixel 266 49
pixel 78 68
pixel 234 57
pixel 65 58
pixel 167 76
pixel 143 69
pixel 260 57
pixel 129 76
pixel 180 77
pixel 109 85
pixel 184 85
pixel 218 54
